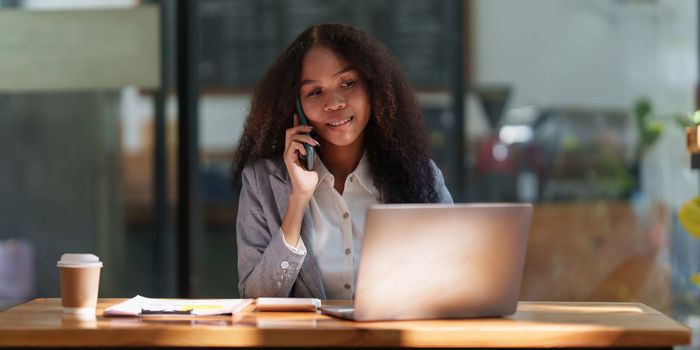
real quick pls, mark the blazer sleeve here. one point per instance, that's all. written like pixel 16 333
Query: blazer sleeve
pixel 266 266
pixel 440 187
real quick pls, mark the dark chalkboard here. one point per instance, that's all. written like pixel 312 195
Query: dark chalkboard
pixel 240 38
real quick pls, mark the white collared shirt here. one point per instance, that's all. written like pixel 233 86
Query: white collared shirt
pixel 339 222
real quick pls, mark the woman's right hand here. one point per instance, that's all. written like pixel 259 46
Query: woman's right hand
pixel 303 181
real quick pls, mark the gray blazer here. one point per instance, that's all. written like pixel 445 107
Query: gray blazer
pixel 266 267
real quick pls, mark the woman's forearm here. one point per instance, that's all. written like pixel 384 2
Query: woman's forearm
pixel 291 224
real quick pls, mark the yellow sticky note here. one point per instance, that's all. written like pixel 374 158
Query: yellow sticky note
pixel 695 279
pixel 201 307
pixel 689 216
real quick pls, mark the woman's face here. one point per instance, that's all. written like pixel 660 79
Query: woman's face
pixel 334 97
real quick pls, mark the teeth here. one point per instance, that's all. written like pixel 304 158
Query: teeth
pixel 340 122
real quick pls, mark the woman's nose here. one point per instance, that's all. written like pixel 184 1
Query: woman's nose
pixel 335 102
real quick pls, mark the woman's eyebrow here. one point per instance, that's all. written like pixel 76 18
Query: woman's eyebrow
pixel 346 69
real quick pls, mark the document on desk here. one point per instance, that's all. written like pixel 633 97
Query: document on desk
pixel 142 306
pixel 287 304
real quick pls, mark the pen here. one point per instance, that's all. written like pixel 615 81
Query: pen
pixel 166 312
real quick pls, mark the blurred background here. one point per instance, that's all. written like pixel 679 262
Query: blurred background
pixel 119 118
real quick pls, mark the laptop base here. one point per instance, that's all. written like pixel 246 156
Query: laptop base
pixel 345 312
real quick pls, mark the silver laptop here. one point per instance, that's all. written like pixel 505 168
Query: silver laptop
pixel 426 261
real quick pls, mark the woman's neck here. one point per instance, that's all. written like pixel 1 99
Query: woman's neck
pixel 341 160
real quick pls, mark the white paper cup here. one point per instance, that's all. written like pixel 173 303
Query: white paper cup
pixel 80 281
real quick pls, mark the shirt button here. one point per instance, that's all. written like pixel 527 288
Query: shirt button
pixel 347 286
pixel 352 178
pixel 347 251
pixel 284 265
pixel 346 215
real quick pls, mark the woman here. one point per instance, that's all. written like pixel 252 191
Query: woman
pixel 299 230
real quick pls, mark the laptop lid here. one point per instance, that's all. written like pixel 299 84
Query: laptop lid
pixel 422 261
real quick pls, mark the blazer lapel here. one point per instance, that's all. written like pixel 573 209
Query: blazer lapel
pixel 281 187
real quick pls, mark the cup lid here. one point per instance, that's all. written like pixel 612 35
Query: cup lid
pixel 79 260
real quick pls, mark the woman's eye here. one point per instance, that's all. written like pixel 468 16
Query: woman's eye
pixel 313 93
pixel 349 83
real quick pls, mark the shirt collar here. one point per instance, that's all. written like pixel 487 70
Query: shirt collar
pixel 320 168
pixel 361 173
pixel 364 175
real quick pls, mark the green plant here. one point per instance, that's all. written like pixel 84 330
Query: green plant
pixel 649 130
pixel 689 120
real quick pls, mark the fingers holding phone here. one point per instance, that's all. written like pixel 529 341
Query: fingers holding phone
pixel 307 159
pixel 297 144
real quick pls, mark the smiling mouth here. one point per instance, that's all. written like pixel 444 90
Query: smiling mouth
pixel 341 122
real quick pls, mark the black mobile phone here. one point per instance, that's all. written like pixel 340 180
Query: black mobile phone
pixel 307 160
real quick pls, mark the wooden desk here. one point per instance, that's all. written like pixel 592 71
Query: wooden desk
pixel 40 323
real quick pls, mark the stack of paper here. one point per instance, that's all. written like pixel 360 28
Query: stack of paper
pixel 142 306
